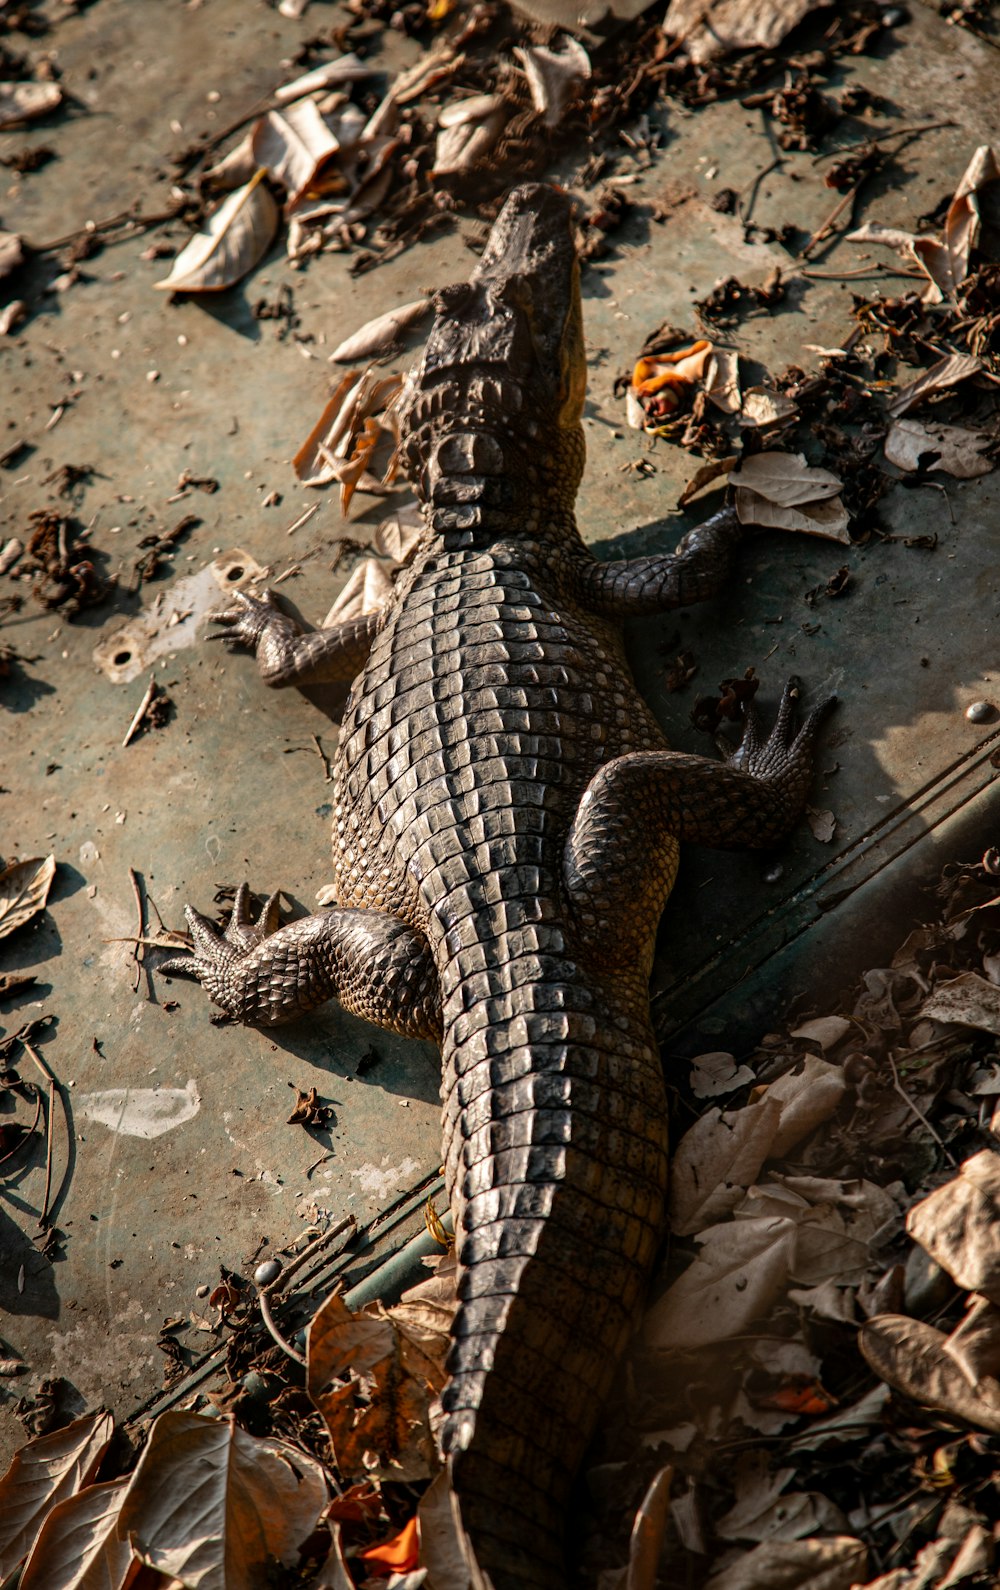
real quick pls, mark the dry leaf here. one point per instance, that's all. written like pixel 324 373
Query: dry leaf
pixel 959 1225
pixel 829 519
pixel 236 237
pixel 827 1031
pixel 334 1574
pixel 716 1073
pixel 968 1000
pixel 77 1547
pixel 21 102
pixel 661 383
pixel 722 380
pixel 24 889
pixel 424 1315
pixel 808 1097
pixel 647 1532
pixel 441 1550
pixel 974 1344
pixel 380 335
pixel 234 169
pixel 345 69
pixel 46 1471
pixel 716 1160
pixel 704 476
pixel 763 407
pixel 554 76
pixel 785 479
pixel 367 591
pixel 742 1268
pixel 293 146
pixel 329 448
pixel 910 1357
pixel 822 823
pixel 468 129
pixel 710 28
pixel 836 1563
pixel 946 373
pixel 958 451
pixel 11 253
pixel 253 1499
pixel 761 1512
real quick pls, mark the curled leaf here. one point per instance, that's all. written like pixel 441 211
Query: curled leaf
pixel 955 449
pixel 293 146
pixel 380 335
pixel 468 129
pixel 236 237
pixel 24 889
pixel 911 1357
pixel 554 76
pixel 46 1471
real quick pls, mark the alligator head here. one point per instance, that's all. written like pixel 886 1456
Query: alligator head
pixel 491 426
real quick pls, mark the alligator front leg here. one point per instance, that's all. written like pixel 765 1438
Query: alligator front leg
pixel 633 586
pixel 262 975
pixel 285 656
pixel 621 854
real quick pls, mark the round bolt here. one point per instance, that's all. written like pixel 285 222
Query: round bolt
pixel 981 712
pixel 266 1273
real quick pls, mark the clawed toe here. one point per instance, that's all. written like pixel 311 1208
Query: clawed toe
pixel 786 745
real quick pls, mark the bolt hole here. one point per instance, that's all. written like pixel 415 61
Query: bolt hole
pixel 121 658
pixel 235 573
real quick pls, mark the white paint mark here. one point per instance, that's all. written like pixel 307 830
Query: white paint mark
pixel 141 1112
pixel 378 1182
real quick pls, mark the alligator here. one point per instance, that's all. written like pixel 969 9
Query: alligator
pixel 508 816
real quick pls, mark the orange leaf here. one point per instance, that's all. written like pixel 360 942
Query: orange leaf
pixel 398 1555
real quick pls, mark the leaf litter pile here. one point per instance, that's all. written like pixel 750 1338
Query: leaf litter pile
pixel 814 1399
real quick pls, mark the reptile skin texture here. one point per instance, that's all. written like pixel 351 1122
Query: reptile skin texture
pixel 508 817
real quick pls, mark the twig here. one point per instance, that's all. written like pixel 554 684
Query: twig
pixel 918 1112
pixel 49 1075
pixel 752 187
pixel 879 268
pixel 141 710
pixel 882 138
pixel 327 770
pixel 268 1318
pixel 92 228
pixel 303 517
pixel 138 943
pixel 823 232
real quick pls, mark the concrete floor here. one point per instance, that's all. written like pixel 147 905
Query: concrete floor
pixel 232 787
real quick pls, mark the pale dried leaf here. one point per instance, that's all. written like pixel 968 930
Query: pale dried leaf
pixel 828 1300
pixel 345 69
pixel 762 407
pixel 380 335
pixel 835 1563
pixel 712 1074
pixel 720 27
pixel 702 477
pixel 829 519
pixel 358 396
pixel 77 1547
pixel 46 1471
pixel 647 1532
pixel 293 146
pixel 974 1344
pixel 467 131
pixel 785 479
pixel 441 1550
pixel 24 889
pixel 808 1098
pixel 234 169
pixel 823 824
pixel 236 237
pixel 21 102
pixel 742 1268
pixel 827 1031
pixel 910 1357
pixel 716 1160
pixel 398 535
pixel 959 1225
pixel 762 1513
pixel 367 591
pixel 946 373
pixel 968 1000
pixel 11 253
pixel 432 68
pixel 958 451
pixel 722 380
pixel 554 76
pixel 253 1499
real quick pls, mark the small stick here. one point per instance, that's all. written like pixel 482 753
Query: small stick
pixel 349 1223
pixel 142 709
pixel 918 1112
pixel 328 774
pixel 303 517
pixel 268 1318
pixel 50 1127
pixel 823 232
pixel 751 188
pixel 882 138
pixel 138 943
pixel 878 268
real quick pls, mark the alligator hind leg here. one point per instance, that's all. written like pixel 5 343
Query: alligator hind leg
pixel 698 568
pixel 286 656
pixel 621 854
pixel 261 974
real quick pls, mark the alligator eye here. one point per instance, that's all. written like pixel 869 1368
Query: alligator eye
pixel 514 291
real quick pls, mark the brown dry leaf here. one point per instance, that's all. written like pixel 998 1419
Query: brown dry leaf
pixel 968 1000
pixel 11 253
pixel 234 169
pixel 823 824
pixel 761 1512
pixel 24 889
pixel 722 380
pixel 441 1550
pixel 946 373
pixel 762 406
pixel 974 1344
pixel 77 1547
pixel 554 76
pixel 210 1504
pixel 959 1225
pixel 742 1268
pixel 380 335
pixel 46 1471
pixel 375 1410
pixel 467 131
pixel 704 477
pixel 827 1031
pixel 716 1073
pixel 367 591
pixel 328 448
pixel 647 1532
pixel 781 491
pixel 235 238
pixel 835 1563
pixel 293 146
pixel 345 69
pixel 716 1160
pixel 21 102
pixel 710 28
pixel 424 1316
pixel 910 1357
pixel 808 1098
pixel 398 535
pixel 955 449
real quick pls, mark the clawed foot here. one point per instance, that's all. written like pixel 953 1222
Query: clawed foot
pixel 216 957
pixel 786 751
pixel 245 623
